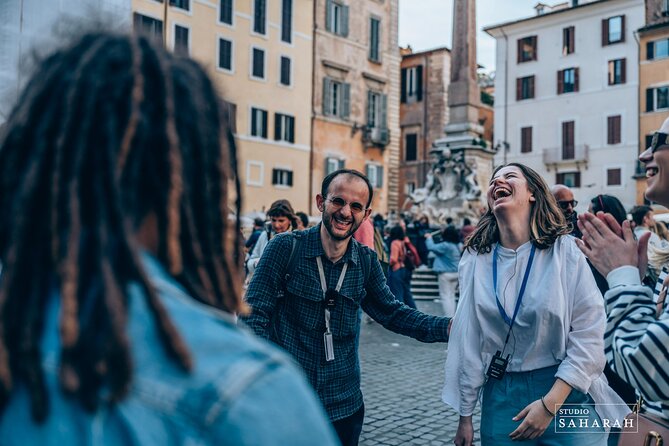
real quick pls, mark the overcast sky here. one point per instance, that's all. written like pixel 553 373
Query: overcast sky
pixel 426 24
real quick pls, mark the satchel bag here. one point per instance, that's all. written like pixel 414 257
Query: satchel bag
pixel 650 430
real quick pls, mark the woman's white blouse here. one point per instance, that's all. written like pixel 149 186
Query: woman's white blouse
pixel 561 321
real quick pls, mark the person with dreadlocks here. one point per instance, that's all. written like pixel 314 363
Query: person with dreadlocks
pixel 121 265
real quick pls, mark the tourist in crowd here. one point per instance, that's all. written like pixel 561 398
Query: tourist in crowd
pixel 258 227
pixel 636 339
pixel 565 199
pixel 421 227
pixel 530 319
pixel 121 264
pixel 315 313
pixel 466 230
pixel 282 219
pixel 302 221
pixel 397 275
pixel 447 256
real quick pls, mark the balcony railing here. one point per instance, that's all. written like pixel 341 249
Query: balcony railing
pixel 376 136
pixel 565 155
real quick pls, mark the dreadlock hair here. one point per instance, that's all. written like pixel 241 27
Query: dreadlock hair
pixel 547 222
pixel 110 131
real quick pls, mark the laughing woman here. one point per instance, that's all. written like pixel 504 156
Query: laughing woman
pixel 528 332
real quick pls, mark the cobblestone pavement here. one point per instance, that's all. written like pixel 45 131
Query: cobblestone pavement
pixel 401 382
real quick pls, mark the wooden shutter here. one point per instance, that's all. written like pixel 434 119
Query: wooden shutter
pixel 576 79
pixel 560 82
pixel 254 122
pixel 605 32
pixel 345 100
pixel 328 15
pixel 383 119
pixel 519 45
pixel 290 178
pixel 519 87
pixel 572 41
pixel 650 50
pixel 403 86
pixel 649 99
pixel 609 130
pixel 535 50
pixel 291 129
pixel 264 123
pixel 419 83
pixel 344 20
pixel 623 71
pixel 526 139
pixel 277 126
pixel 379 176
pixel 531 87
pixel 370 108
pixel 342 164
pixel 568 140
pixel 326 97
pixel 622 28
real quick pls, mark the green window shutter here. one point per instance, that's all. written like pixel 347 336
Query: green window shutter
pixel 370 117
pixel 326 96
pixel 277 126
pixel 342 163
pixel 328 15
pixel 403 87
pixel 344 21
pixel 383 121
pixel 419 83
pixel 379 176
pixel 346 100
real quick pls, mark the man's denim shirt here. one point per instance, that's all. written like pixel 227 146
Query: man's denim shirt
pixel 242 391
pixel 297 322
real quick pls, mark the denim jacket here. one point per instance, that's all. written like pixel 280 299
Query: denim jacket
pixel 242 391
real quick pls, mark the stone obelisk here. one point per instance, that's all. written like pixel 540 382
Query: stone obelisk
pixel 464 134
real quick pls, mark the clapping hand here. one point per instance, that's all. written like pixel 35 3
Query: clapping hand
pixel 609 246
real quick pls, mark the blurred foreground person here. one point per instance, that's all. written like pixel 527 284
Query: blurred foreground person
pixel 120 264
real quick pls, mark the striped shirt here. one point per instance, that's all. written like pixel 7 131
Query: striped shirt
pixel 636 343
pixel 297 322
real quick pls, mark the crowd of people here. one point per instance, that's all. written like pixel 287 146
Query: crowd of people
pixel 124 317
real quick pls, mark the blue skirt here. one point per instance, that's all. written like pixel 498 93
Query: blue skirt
pixel 503 399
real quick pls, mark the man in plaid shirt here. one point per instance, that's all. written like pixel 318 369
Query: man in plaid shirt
pixel 314 313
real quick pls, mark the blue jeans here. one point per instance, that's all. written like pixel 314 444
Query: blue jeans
pixel 399 283
pixel 503 399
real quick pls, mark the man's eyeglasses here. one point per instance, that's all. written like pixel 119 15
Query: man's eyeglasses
pixel 340 203
pixel 659 139
pixel 566 203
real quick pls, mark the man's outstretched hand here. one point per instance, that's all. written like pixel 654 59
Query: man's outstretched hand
pixel 609 246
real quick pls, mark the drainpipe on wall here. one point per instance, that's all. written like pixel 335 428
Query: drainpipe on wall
pixel 426 123
pixel 313 112
pixel 640 148
pixel 505 143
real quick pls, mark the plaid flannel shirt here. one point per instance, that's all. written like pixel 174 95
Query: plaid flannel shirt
pixel 296 321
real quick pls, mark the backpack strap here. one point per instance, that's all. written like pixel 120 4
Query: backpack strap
pixel 295 250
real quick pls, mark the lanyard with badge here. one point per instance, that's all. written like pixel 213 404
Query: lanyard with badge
pixel 330 302
pixel 498 364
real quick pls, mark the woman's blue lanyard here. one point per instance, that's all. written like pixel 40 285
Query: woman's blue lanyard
pixel 511 321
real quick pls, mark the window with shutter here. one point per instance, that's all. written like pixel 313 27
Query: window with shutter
pixel 148 25
pixel 259 123
pixel 613 30
pixel 568 150
pixel 617 70
pixel 180 40
pixel 527 49
pixel 336 18
pixel 403 85
pixel 285 71
pixel 260 16
pixel 287 21
pixel 613 129
pixel 525 88
pixel 569 179
pixel 568 80
pixel 525 139
pixel 225 12
pixel 181 4
pixel 282 177
pixel 374 39
pixel 258 68
pixel 225 54
pixel 614 177
pixel 568 40
pixel 419 83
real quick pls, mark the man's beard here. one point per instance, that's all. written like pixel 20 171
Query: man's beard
pixel 327 222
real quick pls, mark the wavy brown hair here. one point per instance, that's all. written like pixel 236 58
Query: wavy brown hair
pixel 108 132
pixel 547 222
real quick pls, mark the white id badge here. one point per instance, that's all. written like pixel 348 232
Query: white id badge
pixel 329 347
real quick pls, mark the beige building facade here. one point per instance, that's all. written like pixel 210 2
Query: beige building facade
pixel 653 78
pixel 356 95
pixel 259 53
